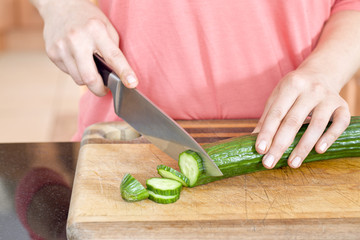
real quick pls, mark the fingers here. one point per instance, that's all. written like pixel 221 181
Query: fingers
pixel 83 58
pixel 276 109
pixel 319 120
pixel 74 55
pixel 285 112
pixel 283 135
pixel 341 120
pixel 280 137
pixel 314 134
pixel 115 58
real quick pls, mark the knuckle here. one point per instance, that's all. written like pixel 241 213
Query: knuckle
pixel 52 53
pixel 89 79
pixel 344 121
pixel 77 81
pixel 276 113
pixel 292 121
pixel 116 58
pixel 319 122
pixel 94 25
pixel 115 54
pixel 53 50
pixel 318 89
pixel 295 81
pixel 73 35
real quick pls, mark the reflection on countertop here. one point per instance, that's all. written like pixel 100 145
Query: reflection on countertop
pixel 35 189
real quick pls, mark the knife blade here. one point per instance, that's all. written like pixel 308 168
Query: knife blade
pixel 149 120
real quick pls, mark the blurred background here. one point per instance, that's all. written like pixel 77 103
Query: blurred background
pixel 38 102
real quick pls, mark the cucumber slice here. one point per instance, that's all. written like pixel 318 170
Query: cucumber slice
pixel 132 190
pixel 163 199
pixel 168 172
pixel 191 166
pixel 163 186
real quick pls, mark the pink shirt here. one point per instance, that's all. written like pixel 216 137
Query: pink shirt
pixel 211 59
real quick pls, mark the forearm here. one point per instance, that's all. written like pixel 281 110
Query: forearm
pixel 337 54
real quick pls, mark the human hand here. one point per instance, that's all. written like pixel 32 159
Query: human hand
pixel 300 94
pixel 74 30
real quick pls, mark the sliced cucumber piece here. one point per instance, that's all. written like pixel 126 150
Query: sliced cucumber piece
pixel 163 186
pixel 168 172
pixel 191 166
pixel 162 198
pixel 132 190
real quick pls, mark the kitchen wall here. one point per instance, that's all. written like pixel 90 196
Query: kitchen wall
pixel 38 102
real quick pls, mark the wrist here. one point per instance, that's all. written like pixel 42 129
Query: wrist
pixel 40 4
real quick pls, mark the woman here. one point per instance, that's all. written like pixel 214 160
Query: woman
pixel 279 61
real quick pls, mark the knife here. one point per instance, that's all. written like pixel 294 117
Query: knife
pixel 150 121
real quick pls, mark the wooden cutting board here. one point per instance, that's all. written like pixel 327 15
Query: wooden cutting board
pixel 320 200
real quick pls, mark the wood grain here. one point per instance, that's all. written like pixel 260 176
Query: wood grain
pixel 320 200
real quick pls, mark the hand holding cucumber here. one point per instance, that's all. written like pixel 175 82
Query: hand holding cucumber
pixel 312 89
pixel 298 95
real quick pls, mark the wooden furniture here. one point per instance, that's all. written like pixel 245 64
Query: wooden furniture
pixel 320 200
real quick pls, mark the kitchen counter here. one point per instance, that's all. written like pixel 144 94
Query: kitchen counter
pixel 318 201
pixel 36 181
pixel 35 189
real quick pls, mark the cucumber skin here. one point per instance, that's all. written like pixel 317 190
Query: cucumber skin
pixel 183 179
pixel 163 201
pixel 237 156
pixel 132 190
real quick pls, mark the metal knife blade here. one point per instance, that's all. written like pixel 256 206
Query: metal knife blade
pixel 146 118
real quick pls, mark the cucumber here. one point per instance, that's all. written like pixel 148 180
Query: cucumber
pixel 168 172
pixel 132 190
pixel 163 186
pixel 191 166
pixel 162 198
pixel 236 156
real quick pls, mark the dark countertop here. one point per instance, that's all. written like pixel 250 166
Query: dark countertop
pixel 35 189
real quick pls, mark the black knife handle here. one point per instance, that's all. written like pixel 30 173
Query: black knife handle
pixel 103 69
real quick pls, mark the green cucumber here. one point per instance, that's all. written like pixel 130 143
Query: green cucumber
pixel 162 198
pixel 191 166
pixel 163 186
pixel 168 172
pixel 132 190
pixel 236 156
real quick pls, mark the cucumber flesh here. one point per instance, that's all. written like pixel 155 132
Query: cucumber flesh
pixel 164 186
pixel 168 172
pixel 132 190
pixel 191 166
pixel 162 198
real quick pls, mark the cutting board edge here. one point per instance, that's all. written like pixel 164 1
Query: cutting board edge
pixel 312 228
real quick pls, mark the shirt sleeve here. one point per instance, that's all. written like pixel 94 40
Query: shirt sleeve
pixel 341 5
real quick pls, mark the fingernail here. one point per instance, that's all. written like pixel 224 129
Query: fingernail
pixel 262 146
pixel 323 147
pixel 268 160
pixel 296 162
pixel 131 80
